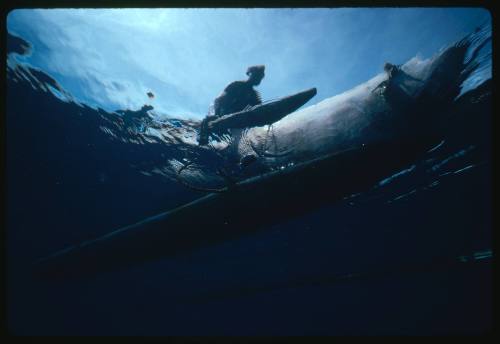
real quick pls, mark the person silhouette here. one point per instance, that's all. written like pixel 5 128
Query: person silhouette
pixel 235 97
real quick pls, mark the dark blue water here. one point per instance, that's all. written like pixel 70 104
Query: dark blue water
pixel 410 255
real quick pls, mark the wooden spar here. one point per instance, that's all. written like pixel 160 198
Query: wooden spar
pixel 263 114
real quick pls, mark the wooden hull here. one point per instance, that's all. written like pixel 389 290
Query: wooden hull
pixel 254 204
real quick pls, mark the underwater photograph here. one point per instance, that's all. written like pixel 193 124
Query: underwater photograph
pixel 248 171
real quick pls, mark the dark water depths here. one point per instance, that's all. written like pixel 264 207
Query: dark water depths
pixel 410 255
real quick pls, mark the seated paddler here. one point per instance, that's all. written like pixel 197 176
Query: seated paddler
pixel 237 96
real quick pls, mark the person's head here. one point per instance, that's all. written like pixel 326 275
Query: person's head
pixel 389 67
pixel 255 74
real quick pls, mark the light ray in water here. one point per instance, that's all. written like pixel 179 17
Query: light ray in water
pixel 464 169
pixel 436 147
pixel 399 174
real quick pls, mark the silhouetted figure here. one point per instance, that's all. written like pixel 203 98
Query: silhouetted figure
pixel 391 69
pixel 136 119
pixel 395 89
pixel 237 96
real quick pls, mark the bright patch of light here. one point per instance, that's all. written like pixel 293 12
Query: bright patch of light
pixel 111 58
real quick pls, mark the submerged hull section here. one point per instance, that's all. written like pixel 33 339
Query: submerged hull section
pixel 251 205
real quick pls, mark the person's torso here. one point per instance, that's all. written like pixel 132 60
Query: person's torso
pixel 237 96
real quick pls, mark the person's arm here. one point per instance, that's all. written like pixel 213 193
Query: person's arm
pixel 220 103
pixel 217 105
pixel 412 78
pixel 399 70
pixel 253 98
pixel 381 85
